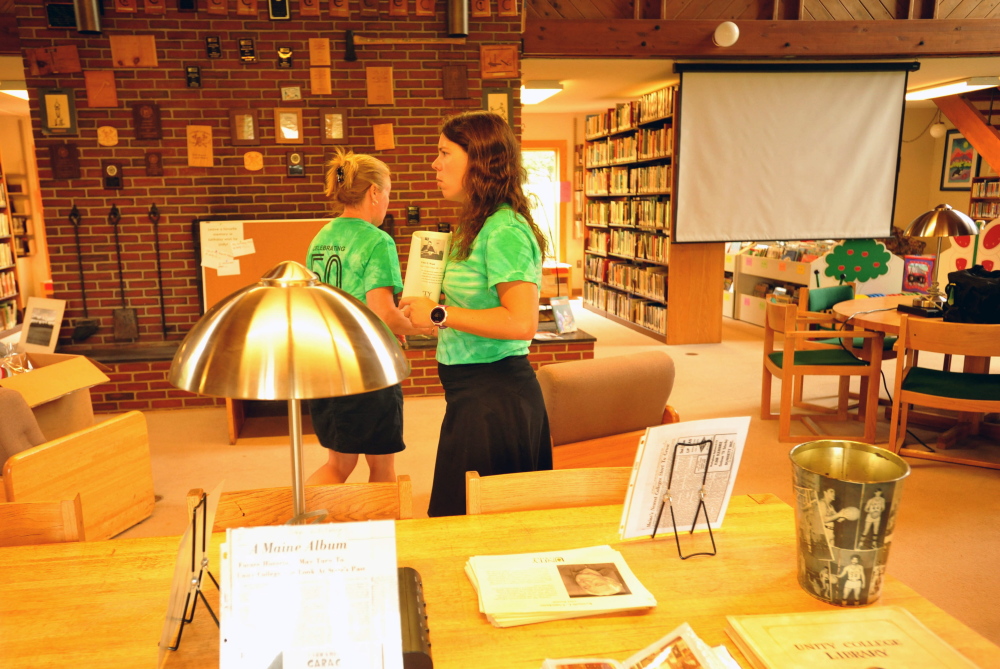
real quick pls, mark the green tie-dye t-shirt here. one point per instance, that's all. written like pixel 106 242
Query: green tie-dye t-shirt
pixel 504 250
pixel 355 256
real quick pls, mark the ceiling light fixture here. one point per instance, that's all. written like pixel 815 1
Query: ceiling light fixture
pixel 726 34
pixel 533 92
pixel 938 128
pixel 953 88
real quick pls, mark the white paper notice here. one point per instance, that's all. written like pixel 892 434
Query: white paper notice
pixel 243 248
pixel 221 242
pixel 674 458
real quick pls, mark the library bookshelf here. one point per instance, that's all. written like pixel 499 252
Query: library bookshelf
pixel 633 274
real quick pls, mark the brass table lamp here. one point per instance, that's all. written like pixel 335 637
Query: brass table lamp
pixel 289 337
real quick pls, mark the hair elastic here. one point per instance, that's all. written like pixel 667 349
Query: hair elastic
pixel 340 174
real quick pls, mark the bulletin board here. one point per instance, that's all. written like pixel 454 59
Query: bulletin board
pixel 235 254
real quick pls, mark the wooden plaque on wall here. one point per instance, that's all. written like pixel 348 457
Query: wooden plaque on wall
pixel 101 90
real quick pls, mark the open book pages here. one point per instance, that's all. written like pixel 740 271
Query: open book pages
pixel 536 587
pixel 673 458
pixel 429 252
pixel 322 595
pixel 680 648
pixel 889 637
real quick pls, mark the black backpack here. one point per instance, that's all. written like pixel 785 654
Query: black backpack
pixel 973 296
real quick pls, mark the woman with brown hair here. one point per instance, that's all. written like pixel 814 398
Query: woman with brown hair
pixel 495 421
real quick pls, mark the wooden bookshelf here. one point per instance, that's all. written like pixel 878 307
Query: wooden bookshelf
pixel 10 296
pixel 633 273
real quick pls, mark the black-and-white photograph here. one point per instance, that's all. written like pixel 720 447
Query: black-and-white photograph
pixel 42 322
pixel 852 577
pixel 432 249
pixel 592 580
pixel 875 515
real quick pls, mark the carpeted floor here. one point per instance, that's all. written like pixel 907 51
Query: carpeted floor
pixel 947 539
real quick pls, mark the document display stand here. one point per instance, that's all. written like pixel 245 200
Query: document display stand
pixel 699 510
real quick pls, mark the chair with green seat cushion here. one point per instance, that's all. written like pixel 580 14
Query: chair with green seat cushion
pixel 795 361
pixel 974 390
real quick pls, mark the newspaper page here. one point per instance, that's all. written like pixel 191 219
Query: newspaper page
pixel 322 595
pixel 680 648
pixel 429 252
pixel 533 587
pixel 675 456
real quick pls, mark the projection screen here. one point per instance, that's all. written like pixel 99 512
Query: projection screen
pixel 788 153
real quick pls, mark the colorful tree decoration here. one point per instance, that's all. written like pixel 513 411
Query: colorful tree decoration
pixel 858 260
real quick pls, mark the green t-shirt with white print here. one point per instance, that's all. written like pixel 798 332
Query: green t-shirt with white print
pixel 504 250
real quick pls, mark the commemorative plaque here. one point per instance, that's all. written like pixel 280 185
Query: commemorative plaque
pixel 146 119
pixel 65 159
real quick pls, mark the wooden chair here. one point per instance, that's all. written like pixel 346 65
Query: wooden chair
pixel 30 523
pixel 793 362
pixel 343 502
pixel 599 409
pixel 555 489
pixel 815 302
pixel 973 390
pixel 107 464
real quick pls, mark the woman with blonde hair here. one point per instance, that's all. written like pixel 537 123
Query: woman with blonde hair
pixel 495 421
pixel 353 254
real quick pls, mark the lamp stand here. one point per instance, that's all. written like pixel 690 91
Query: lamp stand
pixel 299 517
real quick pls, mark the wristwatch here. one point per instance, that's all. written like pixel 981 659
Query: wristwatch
pixel 439 315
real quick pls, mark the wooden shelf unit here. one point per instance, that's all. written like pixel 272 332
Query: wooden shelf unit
pixel 10 295
pixel 628 179
pixel 984 198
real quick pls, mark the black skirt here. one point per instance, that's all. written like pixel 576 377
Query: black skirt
pixel 494 423
pixel 369 423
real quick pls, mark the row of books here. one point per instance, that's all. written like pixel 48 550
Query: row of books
pixel 985 189
pixel 649 282
pixel 597 242
pixel 629 243
pixel 793 251
pixel 652 106
pixel 6 255
pixel 984 210
pixel 646 144
pixel 649 213
pixel 649 315
pixel 655 142
pixel 4 225
pixel 629 180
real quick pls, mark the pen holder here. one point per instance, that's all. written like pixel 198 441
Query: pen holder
pixel 847 494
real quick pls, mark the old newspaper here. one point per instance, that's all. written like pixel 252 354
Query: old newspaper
pixel 425 265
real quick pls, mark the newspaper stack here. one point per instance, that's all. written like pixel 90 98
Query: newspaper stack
pixel 536 587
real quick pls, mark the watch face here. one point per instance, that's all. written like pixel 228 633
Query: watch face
pixel 437 315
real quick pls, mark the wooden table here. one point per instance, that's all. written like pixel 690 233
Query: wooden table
pixel 885 318
pixel 101 604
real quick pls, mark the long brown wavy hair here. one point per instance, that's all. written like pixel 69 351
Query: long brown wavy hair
pixel 494 175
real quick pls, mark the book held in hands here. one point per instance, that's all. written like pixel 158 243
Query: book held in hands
pixel 425 265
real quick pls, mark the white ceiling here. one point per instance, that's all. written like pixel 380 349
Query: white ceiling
pixel 593 84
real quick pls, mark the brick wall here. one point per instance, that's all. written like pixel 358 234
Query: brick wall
pixel 227 189
pixel 143 385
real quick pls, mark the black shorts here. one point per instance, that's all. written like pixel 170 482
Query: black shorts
pixel 369 423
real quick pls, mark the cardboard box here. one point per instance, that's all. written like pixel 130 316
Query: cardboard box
pixel 58 391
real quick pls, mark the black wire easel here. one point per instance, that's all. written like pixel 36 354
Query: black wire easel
pixel 194 592
pixel 699 510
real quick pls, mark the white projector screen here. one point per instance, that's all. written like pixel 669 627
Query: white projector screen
pixel 788 154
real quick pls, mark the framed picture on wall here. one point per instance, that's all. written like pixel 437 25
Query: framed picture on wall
pixel 959 163
pixel 333 126
pixel 288 126
pixel 58 111
pixel 498 101
pixel 42 320
pixel 244 129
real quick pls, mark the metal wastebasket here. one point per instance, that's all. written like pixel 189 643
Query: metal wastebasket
pixel 847 495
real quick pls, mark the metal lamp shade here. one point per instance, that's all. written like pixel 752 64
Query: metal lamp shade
pixel 289 336
pixel 942 221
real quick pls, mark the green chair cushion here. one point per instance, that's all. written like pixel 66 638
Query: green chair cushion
pixel 834 356
pixel 953 384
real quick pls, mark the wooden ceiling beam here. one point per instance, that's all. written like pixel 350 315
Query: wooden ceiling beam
pixel 649 38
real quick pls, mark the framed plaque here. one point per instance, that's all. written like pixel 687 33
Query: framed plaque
pixel 111 175
pixel 146 120
pixel 154 164
pixel 295 164
pixel 332 126
pixel 288 126
pixel 58 111
pixel 244 129
pixel 101 89
pixel 499 61
pixel 65 161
